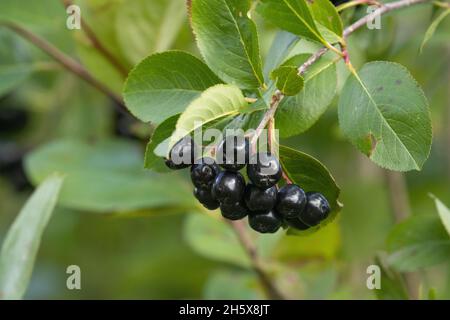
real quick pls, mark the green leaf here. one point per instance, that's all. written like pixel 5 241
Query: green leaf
pixel 432 28
pixel 291 15
pixel 325 13
pixel 297 114
pixel 164 84
pixel 106 176
pixel 384 113
pixel 215 103
pixel 288 81
pixel 212 238
pixel 144 27
pixel 283 43
pixel 161 133
pixel 444 213
pixel 420 241
pixel 311 175
pixel 22 241
pixel 228 40
pixel 392 284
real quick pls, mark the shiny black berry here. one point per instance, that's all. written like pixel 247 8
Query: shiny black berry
pixel 264 170
pixel 291 201
pixel 233 152
pixel 234 211
pixel 265 222
pixel 205 197
pixel 204 172
pixel 228 187
pixel 258 199
pixel 183 154
pixel 317 209
pixel 296 223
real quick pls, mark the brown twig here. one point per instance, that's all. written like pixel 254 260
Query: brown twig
pixel 271 290
pixel 97 44
pixel 67 62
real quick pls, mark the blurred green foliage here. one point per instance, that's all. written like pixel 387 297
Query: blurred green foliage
pixel 151 240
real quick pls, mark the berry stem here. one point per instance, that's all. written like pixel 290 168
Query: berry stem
pixel 244 238
pixel 286 178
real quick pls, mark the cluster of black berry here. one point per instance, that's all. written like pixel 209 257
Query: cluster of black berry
pixel 267 208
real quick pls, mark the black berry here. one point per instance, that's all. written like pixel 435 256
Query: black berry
pixel 183 154
pixel 234 211
pixel 205 197
pixel 316 210
pixel 264 222
pixel 264 170
pixel 204 172
pixel 258 199
pixel 291 201
pixel 228 187
pixel 296 223
pixel 233 152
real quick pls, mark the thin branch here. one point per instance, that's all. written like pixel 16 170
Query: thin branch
pixel 250 248
pixel 276 99
pixel 385 8
pixel 96 43
pixel 67 62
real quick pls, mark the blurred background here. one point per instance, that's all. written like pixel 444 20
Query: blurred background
pixel 134 240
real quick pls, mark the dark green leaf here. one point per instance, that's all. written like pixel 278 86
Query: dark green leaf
pixel 291 15
pixel 164 84
pixel 384 113
pixel 325 13
pixel 228 40
pixel 288 81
